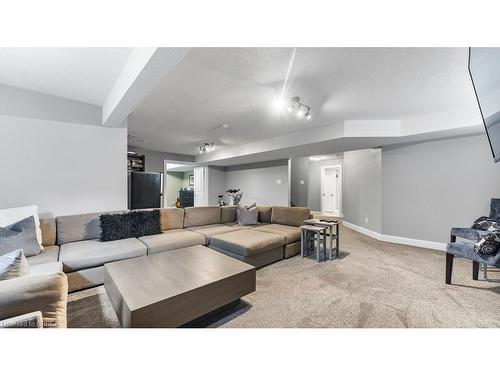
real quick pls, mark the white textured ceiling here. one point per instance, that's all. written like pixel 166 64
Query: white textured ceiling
pixel 83 74
pixel 237 86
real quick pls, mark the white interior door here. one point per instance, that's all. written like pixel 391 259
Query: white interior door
pixel 331 190
pixel 200 186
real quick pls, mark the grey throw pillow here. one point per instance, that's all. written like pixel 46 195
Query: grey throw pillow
pixel 247 215
pixel 13 264
pixel 20 235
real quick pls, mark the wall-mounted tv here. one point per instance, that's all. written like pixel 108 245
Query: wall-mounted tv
pixel 484 70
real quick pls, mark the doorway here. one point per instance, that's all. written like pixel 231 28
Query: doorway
pixel 331 190
pixel 185 184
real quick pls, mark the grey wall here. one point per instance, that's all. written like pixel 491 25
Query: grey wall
pixel 314 193
pixel 258 182
pixel 216 184
pixel 430 187
pixel 62 168
pixel 155 160
pixel 299 181
pixel 362 190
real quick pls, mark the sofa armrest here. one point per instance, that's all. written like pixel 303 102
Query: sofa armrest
pixel 45 293
pixel 30 320
pixel 467 233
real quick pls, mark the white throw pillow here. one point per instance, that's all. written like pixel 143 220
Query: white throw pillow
pixel 13 264
pixel 10 216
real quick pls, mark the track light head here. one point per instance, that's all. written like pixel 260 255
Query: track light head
pixel 207 147
pixel 301 110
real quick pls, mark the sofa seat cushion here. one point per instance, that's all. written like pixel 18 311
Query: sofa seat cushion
pixel 247 242
pixel 50 254
pixel 214 229
pixel 46 268
pixel 291 234
pixel 93 253
pixel 172 239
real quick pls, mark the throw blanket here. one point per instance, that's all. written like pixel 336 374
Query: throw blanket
pixel 489 244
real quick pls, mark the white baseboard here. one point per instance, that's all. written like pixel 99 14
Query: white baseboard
pixel 395 239
pixel 365 231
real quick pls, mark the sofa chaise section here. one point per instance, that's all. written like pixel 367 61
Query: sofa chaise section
pixel 285 221
pixel 210 221
pixel 253 247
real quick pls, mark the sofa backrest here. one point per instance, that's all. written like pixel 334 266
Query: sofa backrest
pixel 48 228
pixel 293 216
pixel 171 218
pixel 264 214
pixel 72 228
pixel 195 216
pixel 227 214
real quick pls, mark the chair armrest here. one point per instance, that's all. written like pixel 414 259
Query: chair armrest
pixel 45 293
pixel 30 320
pixel 467 233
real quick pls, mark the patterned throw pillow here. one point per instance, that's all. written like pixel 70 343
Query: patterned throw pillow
pixel 20 235
pixel 13 264
pixel 247 215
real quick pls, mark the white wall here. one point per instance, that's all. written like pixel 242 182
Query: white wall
pixel 32 104
pixel 362 190
pixel 258 182
pixel 63 168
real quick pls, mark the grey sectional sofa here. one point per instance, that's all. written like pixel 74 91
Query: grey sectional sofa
pixel 74 240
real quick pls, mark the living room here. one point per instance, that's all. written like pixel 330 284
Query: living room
pixel 265 186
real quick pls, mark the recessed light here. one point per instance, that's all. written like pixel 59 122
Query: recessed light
pixel 224 126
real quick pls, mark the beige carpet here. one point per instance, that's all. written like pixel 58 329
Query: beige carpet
pixel 373 284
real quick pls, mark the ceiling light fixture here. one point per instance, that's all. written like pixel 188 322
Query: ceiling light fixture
pixel 206 147
pixel 293 104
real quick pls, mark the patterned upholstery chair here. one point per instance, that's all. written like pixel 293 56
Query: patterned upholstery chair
pixel 465 248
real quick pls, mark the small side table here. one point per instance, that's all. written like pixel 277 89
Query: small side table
pixel 329 225
pixel 318 237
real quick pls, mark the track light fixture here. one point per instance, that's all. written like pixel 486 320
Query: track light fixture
pixel 294 104
pixel 206 147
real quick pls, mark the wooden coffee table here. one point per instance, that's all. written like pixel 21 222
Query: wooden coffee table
pixel 175 287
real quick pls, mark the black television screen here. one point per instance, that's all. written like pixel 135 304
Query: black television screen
pixel 484 70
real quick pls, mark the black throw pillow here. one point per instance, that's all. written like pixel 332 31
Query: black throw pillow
pixel 131 224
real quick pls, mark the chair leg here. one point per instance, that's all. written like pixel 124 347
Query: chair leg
pixel 475 270
pixel 449 267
